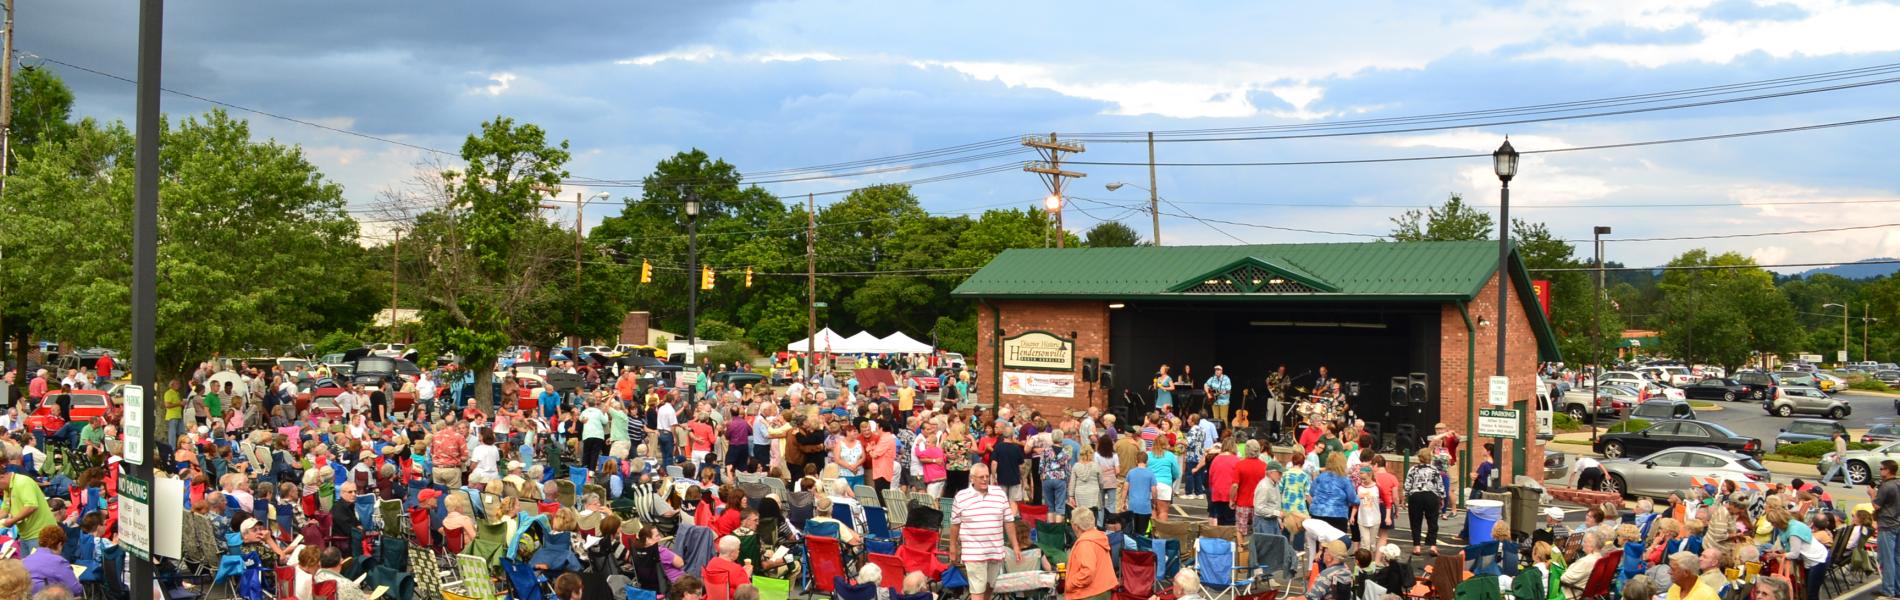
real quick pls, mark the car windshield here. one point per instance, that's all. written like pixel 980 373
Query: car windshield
pixel 1750 464
pixel 1811 428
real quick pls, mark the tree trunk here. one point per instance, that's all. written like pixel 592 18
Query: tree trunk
pixel 484 388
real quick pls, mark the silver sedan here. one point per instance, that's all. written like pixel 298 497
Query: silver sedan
pixel 1676 469
pixel 1863 466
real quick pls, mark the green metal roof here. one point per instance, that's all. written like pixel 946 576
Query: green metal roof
pixel 1340 272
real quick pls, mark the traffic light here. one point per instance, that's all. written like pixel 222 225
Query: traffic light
pixel 646 271
pixel 706 278
pixel 748 276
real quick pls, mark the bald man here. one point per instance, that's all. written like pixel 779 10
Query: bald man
pixel 981 533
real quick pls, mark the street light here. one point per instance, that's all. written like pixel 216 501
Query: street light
pixel 574 343
pixel 1596 328
pixel 692 275
pixel 1843 308
pixel 1504 161
pixel 1154 207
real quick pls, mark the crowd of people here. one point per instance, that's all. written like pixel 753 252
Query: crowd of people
pixel 660 495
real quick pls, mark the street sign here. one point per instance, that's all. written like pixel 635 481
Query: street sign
pixel 135 516
pixel 1500 390
pixel 1841 354
pixel 133 424
pixel 1499 423
pixel 1810 358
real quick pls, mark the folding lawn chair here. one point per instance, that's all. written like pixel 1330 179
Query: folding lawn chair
pixel 1215 560
pixel 824 564
pixel 896 505
pixel 1138 575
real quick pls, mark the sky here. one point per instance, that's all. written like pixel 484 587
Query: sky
pixel 772 86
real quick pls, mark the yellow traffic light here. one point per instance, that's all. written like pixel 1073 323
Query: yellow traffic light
pixel 646 271
pixel 748 276
pixel 706 278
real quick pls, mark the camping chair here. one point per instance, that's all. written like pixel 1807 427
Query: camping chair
pixel 798 507
pixel 919 552
pixel 1032 513
pixel 491 539
pixel 565 496
pixel 1025 577
pixel 636 593
pixel 646 569
pixel 866 495
pixel 1138 574
pixel 1482 559
pixel 896 505
pixel 944 504
pixel 524 583
pixel 770 588
pixel 578 476
pixel 755 491
pixel 1481 586
pixel 777 486
pixel 1271 554
pixel 1181 531
pixel 428 571
pixel 399 585
pixel 846 590
pixel 1214 558
pixel 893 568
pixel 556 554
pixel 829 529
pixel 1168 558
pixel 1054 540
pixel 824 564
pixel 844 514
pixel 876 525
pixel 421 528
pixel 1602 576
pixel 924 516
pixel 392 516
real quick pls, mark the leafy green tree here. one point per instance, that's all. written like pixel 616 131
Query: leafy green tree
pixel 336 341
pixel 1723 315
pixel 42 113
pixel 1112 234
pixel 1454 220
pixel 253 238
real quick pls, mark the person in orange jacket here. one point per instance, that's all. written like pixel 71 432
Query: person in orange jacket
pixel 1091 570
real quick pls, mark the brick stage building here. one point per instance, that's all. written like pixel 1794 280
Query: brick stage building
pixel 1369 312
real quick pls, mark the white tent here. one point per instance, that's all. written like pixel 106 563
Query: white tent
pixel 903 344
pixel 862 343
pixel 825 341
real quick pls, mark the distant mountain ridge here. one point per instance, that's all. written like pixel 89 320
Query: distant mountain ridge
pixel 1857 270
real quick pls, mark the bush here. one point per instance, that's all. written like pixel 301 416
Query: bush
pixel 1630 425
pixel 1817 448
pixel 1563 423
pixel 1870 384
pixel 336 341
pixel 728 353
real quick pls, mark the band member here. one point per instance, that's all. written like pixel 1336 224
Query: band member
pixel 1163 386
pixel 1322 381
pixel 1218 389
pixel 1278 385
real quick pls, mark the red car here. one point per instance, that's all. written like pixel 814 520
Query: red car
pixel 85 404
pixel 923 380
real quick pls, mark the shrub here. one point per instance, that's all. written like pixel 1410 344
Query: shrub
pixel 1817 448
pixel 1870 384
pixel 1630 425
pixel 1563 423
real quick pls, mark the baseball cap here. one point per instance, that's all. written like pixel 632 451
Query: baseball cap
pixel 428 494
pixel 1554 512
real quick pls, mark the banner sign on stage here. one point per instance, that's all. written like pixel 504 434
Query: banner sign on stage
pixel 1038 350
pixel 1047 385
pixel 1498 423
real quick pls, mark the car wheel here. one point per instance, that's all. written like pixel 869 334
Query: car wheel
pixel 1784 411
pixel 1618 485
pixel 1577 414
pixel 1728 396
pixel 1857 473
pixel 1836 413
pixel 1613 450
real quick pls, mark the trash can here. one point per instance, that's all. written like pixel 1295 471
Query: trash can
pixel 1525 500
pixel 1480 517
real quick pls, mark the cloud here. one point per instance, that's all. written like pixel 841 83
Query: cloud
pixel 700 54
pixel 501 83
pixel 1830 29
pixel 1753 10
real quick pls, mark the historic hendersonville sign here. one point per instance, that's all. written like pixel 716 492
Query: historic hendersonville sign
pixel 1038 350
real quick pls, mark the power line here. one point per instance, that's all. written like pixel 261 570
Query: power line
pixel 1336 205
pixel 1747 235
pixel 1704 138
pixel 1719 267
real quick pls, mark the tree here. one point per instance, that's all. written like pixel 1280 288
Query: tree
pixel 42 110
pixel 1722 315
pixel 1454 220
pixel 494 276
pixel 257 245
pixel 1112 234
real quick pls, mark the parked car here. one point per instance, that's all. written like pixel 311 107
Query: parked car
pixel 1808 430
pixel 82 405
pixel 1656 410
pixel 925 381
pixel 1881 433
pixel 1716 388
pixel 388 349
pixel 1761 385
pixel 1675 433
pixel 1807 401
pixel 1805 380
pixel 1888 377
pixel 1664 472
pixel 1610 401
pixel 738 378
pixel 1862 465
pixel 1829 382
pixel 320 395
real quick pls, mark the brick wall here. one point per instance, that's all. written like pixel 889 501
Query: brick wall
pixel 633 328
pixel 1521 367
pixel 1087 319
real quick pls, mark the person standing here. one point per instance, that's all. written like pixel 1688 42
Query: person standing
pixel 1054 461
pixel 426 393
pixel 1166 468
pixel 1887 523
pixel 1006 462
pixel 1219 390
pixel 1424 496
pixel 26 509
pixel 882 449
pixel 1249 470
pixel 1840 467
pixel 594 423
pixel 982 533
pixel 1163 386
pixel 1221 481
pixel 174 403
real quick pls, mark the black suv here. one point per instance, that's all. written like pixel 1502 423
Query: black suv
pixel 1761 385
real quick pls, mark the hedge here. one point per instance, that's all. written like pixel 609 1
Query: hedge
pixel 1817 448
pixel 1870 384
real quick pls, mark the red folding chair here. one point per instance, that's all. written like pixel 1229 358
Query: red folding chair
pixel 324 590
pixel 286 582
pixel 919 552
pixel 1032 513
pixel 1137 576
pixel 1602 575
pixel 718 585
pixel 893 568
pixel 826 556
pixel 420 528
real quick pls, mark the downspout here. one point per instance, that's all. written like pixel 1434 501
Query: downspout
pixel 1471 406
pixel 996 357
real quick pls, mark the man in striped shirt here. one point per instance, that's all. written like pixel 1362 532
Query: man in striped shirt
pixel 981 534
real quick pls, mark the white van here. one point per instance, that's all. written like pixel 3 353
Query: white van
pixel 1546 424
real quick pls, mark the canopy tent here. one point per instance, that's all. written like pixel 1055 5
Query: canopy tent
pixel 903 344
pixel 862 343
pixel 825 341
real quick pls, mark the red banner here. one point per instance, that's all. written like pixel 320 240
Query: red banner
pixel 1541 287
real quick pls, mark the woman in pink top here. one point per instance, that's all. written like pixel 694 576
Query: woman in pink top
pixel 931 456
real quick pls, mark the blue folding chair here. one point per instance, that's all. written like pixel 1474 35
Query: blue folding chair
pixel 1482 559
pixel 1214 557
pixel 877 525
pixel 842 512
pixel 634 593
pixel 822 529
pixel 1168 555
pixel 577 475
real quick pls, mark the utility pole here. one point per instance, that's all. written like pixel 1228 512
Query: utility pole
pixel 395 278
pixel 1154 197
pixel 144 290
pixel 1596 334
pixel 6 151
pixel 1050 168
pixel 574 339
pixel 1866 322
pixel 811 281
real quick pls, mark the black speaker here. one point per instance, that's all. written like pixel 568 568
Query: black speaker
pixel 1106 373
pixel 1090 369
pixel 1401 393
pixel 1408 438
pixel 1420 394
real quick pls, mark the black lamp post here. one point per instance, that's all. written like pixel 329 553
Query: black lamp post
pixel 692 278
pixel 1504 161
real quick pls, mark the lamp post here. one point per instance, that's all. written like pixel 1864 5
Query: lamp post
pixel 1052 204
pixel 1843 308
pixel 575 342
pixel 692 275
pixel 1596 329
pixel 1154 206
pixel 1504 162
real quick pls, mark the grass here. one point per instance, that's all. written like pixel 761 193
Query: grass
pixel 1701 404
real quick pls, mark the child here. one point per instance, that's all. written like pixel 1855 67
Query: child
pixel 1367 512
